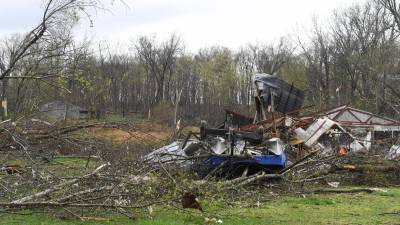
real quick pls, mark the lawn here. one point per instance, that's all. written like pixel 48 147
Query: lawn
pixel 360 208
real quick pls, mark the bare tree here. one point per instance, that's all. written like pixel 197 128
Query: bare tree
pixel 363 39
pixel 394 8
pixel 158 59
pixel 270 58
pixel 245 63
pixel 319 58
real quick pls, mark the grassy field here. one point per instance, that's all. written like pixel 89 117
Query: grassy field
pixel 361 208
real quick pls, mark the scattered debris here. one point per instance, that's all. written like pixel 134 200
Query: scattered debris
pixel 276 137
pixel 394 152
pixel 329 135
pixel 333 184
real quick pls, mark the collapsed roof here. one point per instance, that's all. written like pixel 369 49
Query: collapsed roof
pixel 357 119
pixel 322 126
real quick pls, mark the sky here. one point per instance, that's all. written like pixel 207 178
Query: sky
pixel 199 23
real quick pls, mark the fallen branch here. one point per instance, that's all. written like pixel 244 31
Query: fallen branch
pixel 57 187
pixel 210 174
pixel 65 130
pixel 287 169
pixel 367 168
pixel 241 181
pixel 355 190
pixel 256 178
pixel 57 204
pixel 92 190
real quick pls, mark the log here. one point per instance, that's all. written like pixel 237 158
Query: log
pixel 338 191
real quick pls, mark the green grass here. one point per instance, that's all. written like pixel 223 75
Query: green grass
pixel 359 208
pixel 71 166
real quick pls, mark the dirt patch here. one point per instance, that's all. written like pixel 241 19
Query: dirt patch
pixel 138 133
pixel 113 134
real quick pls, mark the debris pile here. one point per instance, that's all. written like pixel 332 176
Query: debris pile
pixel 279 136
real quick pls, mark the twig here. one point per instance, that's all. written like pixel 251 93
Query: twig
pixel 72 213
pixel 165 170
pixel 215 170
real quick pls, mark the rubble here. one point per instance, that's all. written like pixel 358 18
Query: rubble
pixel 278 135
pixel 394 151
pixel 331 134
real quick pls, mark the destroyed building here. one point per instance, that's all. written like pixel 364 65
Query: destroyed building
pixel 278 135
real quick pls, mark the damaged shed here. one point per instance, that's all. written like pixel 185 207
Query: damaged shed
pixel 59 110
pixel 359 121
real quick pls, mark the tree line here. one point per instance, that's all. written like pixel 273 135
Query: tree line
pixel 352 60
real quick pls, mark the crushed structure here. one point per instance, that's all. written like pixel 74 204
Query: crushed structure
pixel 278 135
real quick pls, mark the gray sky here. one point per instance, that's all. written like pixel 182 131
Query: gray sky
pixel 200 23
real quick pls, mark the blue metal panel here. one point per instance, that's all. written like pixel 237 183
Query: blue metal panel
pixel 261 160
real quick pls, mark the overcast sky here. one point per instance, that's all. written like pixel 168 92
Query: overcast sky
pixel 200 23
